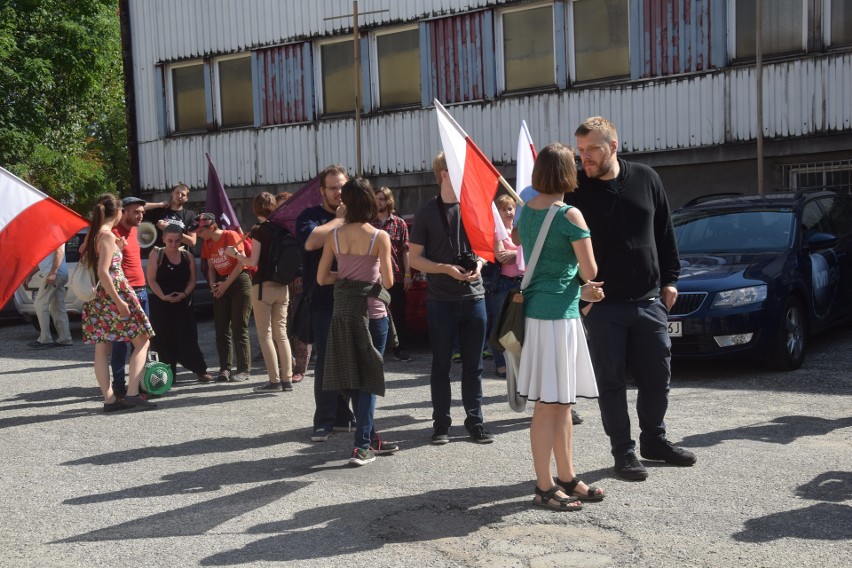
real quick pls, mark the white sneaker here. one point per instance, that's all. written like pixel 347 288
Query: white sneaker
pixel 239 377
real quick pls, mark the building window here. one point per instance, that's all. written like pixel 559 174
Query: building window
pixel 189 102
pixel 236 102
pixel 840 16
pixel 527 48
pixel 601 39
pixel 337 69
pixel 783 27
pixel 397 66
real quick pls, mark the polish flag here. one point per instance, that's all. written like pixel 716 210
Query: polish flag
pixel 32 225
pixel 523 174
pixel 474 179
pixel 526 158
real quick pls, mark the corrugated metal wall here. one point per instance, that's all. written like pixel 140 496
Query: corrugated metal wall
pixel 459 47
pixel 286 89
pixel 804 97
pixel 677 36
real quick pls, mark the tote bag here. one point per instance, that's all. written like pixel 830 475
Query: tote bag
pixel 82 283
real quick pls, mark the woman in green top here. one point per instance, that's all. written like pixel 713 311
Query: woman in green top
pixel 555 367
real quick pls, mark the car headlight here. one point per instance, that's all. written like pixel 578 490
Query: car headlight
pixel 740 297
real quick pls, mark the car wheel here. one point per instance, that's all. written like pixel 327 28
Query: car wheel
pixel 791 342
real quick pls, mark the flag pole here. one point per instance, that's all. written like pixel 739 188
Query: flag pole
pixel 458 127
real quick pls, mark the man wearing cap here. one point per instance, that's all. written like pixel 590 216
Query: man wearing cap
pixel 131 264
pixel 231 289
pixel 171 212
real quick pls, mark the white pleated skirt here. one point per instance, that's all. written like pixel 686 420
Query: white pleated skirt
pixel 555 365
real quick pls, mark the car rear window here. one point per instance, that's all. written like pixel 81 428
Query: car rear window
pixel 703 231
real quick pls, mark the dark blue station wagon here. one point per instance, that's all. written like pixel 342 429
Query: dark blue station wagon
pixel 759 275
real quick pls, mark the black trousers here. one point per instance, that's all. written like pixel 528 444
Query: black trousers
pixel 176 334
pixel 397 308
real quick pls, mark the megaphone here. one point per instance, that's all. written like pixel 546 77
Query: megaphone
pixel 146 234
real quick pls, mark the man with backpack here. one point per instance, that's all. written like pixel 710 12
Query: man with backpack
pixel 277 257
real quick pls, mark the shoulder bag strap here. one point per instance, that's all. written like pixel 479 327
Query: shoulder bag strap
pixel 539 244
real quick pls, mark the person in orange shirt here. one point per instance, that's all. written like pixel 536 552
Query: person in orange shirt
pixel 231 289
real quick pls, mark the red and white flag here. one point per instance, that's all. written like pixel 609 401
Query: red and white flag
pixel 474 179
pixel 32 225
pixel 526 158
pixel 523 174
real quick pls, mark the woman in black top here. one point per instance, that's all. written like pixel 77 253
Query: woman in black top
pixel 171 277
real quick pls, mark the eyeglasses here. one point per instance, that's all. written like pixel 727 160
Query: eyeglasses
pixel 333 187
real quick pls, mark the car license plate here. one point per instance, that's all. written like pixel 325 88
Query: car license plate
pixel 675 329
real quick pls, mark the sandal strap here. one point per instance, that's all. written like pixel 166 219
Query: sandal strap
pixel 569 486
pixel 550 494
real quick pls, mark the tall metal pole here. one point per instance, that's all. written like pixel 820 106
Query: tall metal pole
pixel 358 87
pixel 357 47
pixel 758 69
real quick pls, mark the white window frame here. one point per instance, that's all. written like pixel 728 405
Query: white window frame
pixel 217 91
pixel 170 94
pixel 500 55
pixel 374 62
pixel 826 26
pixel 318 83
pixel 732 31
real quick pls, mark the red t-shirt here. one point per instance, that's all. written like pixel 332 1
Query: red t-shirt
pixel 214 252
pixel 131 256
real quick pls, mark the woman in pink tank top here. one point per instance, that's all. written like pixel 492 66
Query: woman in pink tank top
pixel 360 323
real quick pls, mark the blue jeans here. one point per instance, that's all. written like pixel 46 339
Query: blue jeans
pixel 118 358
pixel 631 336
pixel 446 320
pixel 363 402
pixel 496 299
pixel 332 407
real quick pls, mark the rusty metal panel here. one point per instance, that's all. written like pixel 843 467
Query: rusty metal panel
pixel 283 79
pixel 677 36
pixel 457 52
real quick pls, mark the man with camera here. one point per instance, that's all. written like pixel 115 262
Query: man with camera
pixel 455 305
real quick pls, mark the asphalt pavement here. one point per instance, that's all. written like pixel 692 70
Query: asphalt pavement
pixel 222 476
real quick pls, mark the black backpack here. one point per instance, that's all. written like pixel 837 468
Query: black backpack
pixel 285 256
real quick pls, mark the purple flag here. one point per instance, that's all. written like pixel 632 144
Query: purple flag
pixel 286 213
pixel 217 201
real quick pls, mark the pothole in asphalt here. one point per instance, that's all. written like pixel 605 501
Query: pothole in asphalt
pixel 465 538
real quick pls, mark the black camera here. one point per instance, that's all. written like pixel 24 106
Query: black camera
pixel 466 260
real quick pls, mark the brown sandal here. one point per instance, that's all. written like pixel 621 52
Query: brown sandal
pixel 548 500
pixel 570 487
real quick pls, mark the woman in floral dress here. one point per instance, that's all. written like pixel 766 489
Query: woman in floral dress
pixel 115 313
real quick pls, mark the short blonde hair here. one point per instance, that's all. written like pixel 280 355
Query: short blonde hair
pixel 504 201
pixel 598 124
pixel 439 164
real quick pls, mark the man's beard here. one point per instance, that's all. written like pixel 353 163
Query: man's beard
pixel 602 168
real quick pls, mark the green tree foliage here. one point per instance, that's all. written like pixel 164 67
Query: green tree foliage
pixel 62 125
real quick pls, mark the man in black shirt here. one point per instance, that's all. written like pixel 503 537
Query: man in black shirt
pixel 313 226
pixel 171 212
pixel 455 306
pixel 627 211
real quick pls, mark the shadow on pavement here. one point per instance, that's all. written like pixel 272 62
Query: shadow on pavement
pixel 781 430
pixel 194 519
pixel 430 516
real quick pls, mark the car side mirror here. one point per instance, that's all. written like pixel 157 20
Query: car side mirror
pixel 821 240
